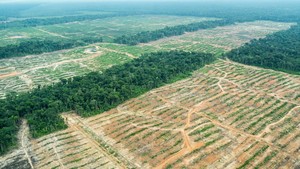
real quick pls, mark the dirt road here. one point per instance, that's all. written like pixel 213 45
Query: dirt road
pixel 24 141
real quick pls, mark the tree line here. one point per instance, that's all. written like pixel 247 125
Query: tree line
pixel 38 46
pixel 92 94
pixel 147 36
pixel 278 51
pixel 33 22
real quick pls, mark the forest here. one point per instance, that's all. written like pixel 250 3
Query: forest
pixel 94 93
pixel 147 36
pixel 38 46
pixel 278 51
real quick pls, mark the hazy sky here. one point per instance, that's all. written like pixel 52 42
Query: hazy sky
pixel 49 1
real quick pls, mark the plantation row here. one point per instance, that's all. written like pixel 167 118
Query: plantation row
pixel 93 93
pixel 68 149
pixel 284 86
pixel 12 84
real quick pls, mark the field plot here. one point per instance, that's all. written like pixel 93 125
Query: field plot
pixel 221 39
pixel 209 120
pixel 71 148
pixel 107 28
pixel 25 73
pixel 110 28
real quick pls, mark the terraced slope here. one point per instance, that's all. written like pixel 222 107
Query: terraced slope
pixel 226 115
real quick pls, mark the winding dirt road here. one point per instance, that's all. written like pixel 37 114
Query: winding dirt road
pixel 268 128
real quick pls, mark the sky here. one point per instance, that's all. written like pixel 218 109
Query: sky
pixel 49 1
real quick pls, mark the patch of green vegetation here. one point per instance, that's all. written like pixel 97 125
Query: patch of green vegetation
pixel 200 131
pixel 111 58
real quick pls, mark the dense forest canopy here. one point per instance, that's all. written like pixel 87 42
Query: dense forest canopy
pixel 279 51
pixel 93 93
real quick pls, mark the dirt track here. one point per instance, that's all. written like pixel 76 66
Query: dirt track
pixel 10 75
pixel 51 33
pixel 24 141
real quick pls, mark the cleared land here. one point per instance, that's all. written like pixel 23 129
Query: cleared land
pixel 108 28
pixel 226 115
pixel 23 74
pixel 221 39
pixel 212 119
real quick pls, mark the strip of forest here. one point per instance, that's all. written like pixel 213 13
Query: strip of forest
pixel 38 46
pixel 92 94
pixel 278 51
pixel 148 36
pixel 33 22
